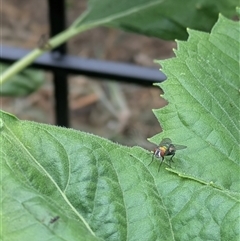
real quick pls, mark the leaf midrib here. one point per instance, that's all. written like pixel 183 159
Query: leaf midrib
pixel 114 17
pixel 14 138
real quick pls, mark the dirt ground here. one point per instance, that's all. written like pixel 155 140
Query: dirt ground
pixel 125 116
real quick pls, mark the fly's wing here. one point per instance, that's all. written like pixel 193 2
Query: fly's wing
pixel 165 142
pixel 179 147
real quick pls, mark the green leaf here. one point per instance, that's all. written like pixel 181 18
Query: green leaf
pixel 22 84
pixel 203 110
pixel 96 187
pixel 104 191
pixel 158 18
pixel 35 181
pixel 203 113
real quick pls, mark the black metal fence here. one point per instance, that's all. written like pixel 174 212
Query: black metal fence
pixel 61 64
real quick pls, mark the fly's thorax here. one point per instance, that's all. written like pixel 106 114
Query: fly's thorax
pixel 163 150
pixel 171 149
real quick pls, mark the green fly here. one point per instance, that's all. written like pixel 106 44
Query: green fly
pixel 166 148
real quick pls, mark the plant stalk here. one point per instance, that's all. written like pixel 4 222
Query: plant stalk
pixel 50 44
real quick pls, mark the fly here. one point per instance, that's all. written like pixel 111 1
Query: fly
pixel 166 148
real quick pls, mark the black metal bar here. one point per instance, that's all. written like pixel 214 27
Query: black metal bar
pixel 61 65
pixel 57 20
pixel 57 25
pixel 61 98
pixel 90 67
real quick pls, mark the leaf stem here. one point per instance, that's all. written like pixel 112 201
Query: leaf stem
pixel 29 58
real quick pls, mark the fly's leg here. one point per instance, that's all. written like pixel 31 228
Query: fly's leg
pixel 171 159
pixel 160 163
pixel 152 159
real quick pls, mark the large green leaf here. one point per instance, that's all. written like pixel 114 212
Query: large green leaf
pixel 203 113
pixel 104 191
pixel 93 185
pixel 166 19
pixel 203 92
